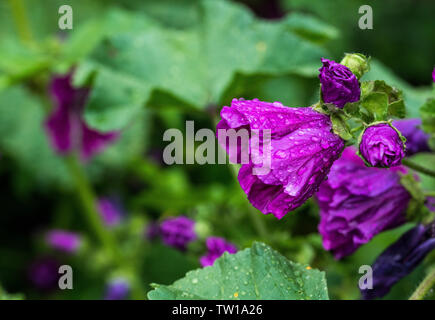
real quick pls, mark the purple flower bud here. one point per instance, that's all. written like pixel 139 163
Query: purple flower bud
pixel 357 202
pixel 178 232
pixel 62 240
pixel 302 149
pixel 110 211
pixel 381 146
pixel 416 139
pixel 117 289
pixel 44 273
pixel 339 84
pixel 66 127
pixel 400 259
pixel 216 247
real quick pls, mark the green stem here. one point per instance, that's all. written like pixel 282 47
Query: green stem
pixel 418 167
pixel 18 9
pixel 89 200
pixel 424 287
pixel 254 215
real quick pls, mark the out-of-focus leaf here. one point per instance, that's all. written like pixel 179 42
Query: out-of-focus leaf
pixel 23 138
pixel 193 67
pixel 255 273
pixel 311 28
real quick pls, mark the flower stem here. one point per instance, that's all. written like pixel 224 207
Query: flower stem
pixel 418 167
pixel 424 287
pixel 18 9
pixel 89 200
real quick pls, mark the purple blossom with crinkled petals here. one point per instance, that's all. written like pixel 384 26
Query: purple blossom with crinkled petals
pixel 357 202
pixel 339 84
pixel 62 240
pixel 178 232
pixel 400 259
pixel 66 126
pixel 110 211
pixel 381 146
pixel 216 247
pixel 303 148
pixel 117 289
pixel 416 139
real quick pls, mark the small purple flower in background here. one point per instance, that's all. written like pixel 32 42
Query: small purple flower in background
pixel 62 240
pixel 117 289
pixel 430 203
pixel 358 202
pixel 416 139
pixel 110 211
pixel 178 232
pixel 339 84
pixel 216 247
pixel 303 150
pixel 66 126
pixel 381 146
pixel 44 273
pixel 400 259
pixel 433 75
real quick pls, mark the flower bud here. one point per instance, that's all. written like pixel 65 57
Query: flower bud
pixel 357 63
pixel 382 146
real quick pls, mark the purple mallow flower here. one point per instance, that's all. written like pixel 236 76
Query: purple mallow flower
pixel 44 273
pixel 66 126
pixel 433 75
pixel 62 240
pixel 178 232
pixel 416 139
pixel 117 289
pixel 381 146
pixel 339 84
pixel 358 202
pixel 400 259
pixel 110 211
pixel 303 149
pixel 216 247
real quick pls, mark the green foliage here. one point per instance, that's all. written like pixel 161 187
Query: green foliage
pixel 255 273
pixel 427 111
pixel 188 68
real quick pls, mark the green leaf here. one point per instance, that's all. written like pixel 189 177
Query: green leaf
pixel 376 103
pixel 340 127
pixel 416 210
pixel 192 67
pixel 427 112
pixel 255 273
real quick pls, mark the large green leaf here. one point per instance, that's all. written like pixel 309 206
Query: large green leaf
pixel 255 273
pixel 191 67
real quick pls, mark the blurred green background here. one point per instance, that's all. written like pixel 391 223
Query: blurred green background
pixel 152 65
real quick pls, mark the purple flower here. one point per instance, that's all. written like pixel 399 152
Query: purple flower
pixel 62 240
pixel 66 127
pixel 381 146
pixel 339 84
pixel 303 149
pixel 110 211
pixel 44 273
pixel 216 247
pixel 117 289
pixel 358 202
pixel 399 259
pixel 178 232
pixel 416 139
pixel 433 75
